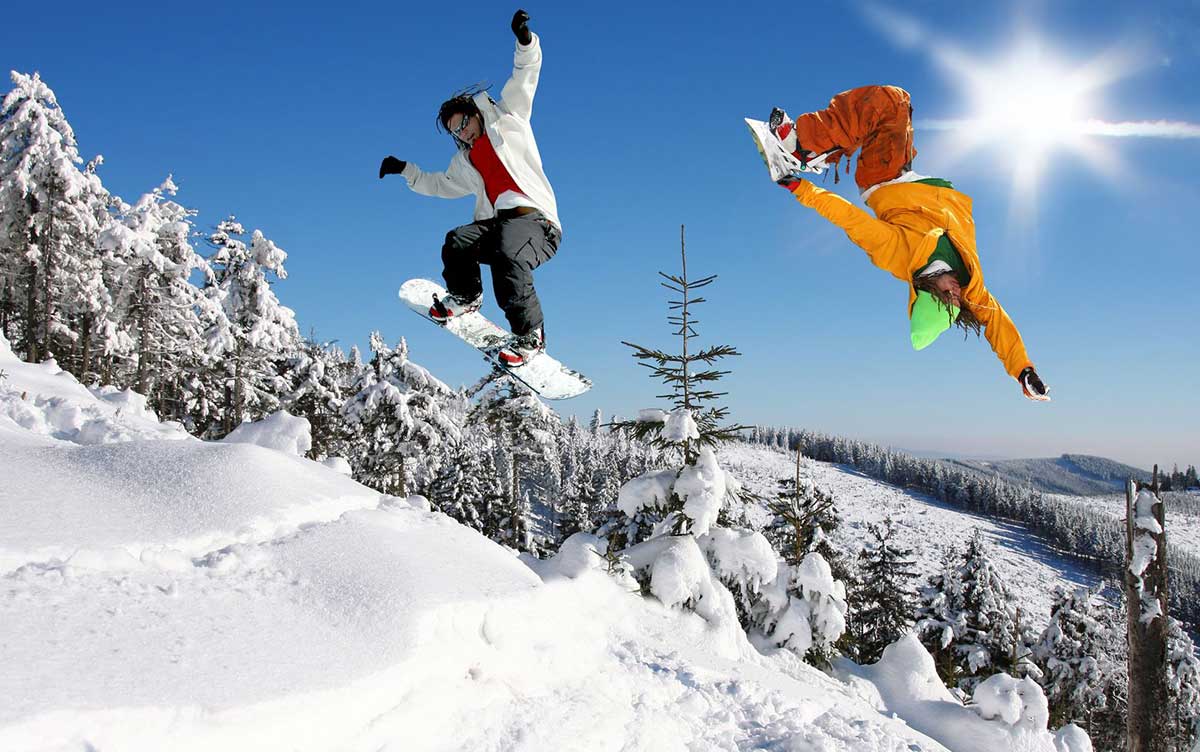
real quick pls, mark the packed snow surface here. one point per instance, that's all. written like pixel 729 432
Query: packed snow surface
pixel 160 592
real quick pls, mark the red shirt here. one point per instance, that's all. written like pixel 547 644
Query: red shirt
pixel 496 179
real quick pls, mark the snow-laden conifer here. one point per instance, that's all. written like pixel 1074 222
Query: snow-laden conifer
pixel 805 518
pixel 248 330
pixel 150 262
pixel 1183 687
pixel 883 600
pixel 672 524
pixel 467 486
pixel 970 622
pixel 319 376
pixel 53 301
pixel 403 416
pixel 1082 656
pixel 581 506
pixel 526 432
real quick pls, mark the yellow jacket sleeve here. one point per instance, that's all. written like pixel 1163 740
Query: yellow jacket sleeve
pixel 889 247
pixel 1001 334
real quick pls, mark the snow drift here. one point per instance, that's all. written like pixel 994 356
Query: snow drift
pixel 160 592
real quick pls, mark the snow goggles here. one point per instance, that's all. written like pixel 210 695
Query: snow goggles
pixel 461 125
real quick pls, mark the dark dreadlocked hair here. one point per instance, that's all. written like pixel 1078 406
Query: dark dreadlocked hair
pixel 461 103
pixel 967 321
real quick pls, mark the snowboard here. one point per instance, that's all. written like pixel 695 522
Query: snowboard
pixel 542 374
pixel 778 159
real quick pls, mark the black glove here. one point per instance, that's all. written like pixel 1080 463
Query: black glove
pixel 520 27
pixel 391 166
pixel 1032 386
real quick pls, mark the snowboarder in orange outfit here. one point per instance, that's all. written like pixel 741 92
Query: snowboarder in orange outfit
pixel 922 232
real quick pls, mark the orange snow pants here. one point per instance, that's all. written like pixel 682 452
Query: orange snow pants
pixel 875 119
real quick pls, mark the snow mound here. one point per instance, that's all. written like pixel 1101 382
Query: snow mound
pixel 280 431
pixel 1071 738
pixel 283 645
pixel 191 497
pixel 702 488
pixel 43 399
pixel 337 464
pixel 905 682
pixel 1017 702
pixel 93 480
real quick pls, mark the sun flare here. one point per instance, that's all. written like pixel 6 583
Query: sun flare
pixel 1028 106
pixel 1029 101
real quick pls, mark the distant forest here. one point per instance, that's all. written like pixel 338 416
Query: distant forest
pixel 1088 534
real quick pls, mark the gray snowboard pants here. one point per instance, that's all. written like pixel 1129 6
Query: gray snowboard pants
pixel 513 245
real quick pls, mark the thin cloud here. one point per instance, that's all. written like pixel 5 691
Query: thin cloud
pixel 1142 129
pixel 1135 129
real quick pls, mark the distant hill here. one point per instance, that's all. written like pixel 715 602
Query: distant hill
pixel 1075 474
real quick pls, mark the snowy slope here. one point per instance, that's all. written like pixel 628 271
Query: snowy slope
pixel 1183 523
pixel 160 592
pixel 1029 566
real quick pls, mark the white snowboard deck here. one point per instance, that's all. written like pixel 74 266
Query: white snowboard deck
pixel 543 374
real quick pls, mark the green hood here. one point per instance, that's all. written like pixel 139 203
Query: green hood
pixel 929 320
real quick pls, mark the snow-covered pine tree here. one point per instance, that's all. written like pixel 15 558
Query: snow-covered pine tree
pixel 466 486
pixel 969 620
pixel 689 431
pixel 687 557
pixel 526 431
pixel 570 454
pixel 1081 656
pixel 53 300
pixel 883 601
pixel 317 374
pixel 1077 657
pixel 1183 688
pixel 805 518
pixel 403 416
pixel 151 260
pixel 939 618
pixel 249 332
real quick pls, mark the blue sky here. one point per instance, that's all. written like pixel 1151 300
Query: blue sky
pixel 281 115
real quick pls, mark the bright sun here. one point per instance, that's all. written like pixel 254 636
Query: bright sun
pixel 1028 106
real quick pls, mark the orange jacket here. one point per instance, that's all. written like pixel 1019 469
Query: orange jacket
pixel 911 218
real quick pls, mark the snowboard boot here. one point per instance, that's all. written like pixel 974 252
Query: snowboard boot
pixel 794 159
pixel 453 306
pixel 523 348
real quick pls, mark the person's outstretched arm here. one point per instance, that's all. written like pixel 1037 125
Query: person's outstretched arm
pixel 888 246
pixel 1006 342
pixel 517 94
pixel 440 184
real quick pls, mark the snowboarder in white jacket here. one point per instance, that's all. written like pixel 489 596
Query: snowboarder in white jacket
pixel 516 226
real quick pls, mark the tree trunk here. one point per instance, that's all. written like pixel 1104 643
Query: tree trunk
pixel 402 481
pixel 85 357
pixel 6 308
pixel 143 332
pixel 1147 720
pixel 238 394
pixel 32 351
pixel 47 297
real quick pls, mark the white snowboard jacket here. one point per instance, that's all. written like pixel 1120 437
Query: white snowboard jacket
pixel 507 125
